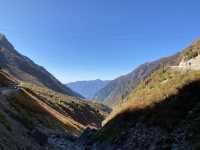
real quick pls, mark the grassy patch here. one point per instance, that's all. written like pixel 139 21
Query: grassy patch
pixel 165 99
pixel 160 85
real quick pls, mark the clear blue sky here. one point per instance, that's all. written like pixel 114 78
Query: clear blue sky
pixel 89 39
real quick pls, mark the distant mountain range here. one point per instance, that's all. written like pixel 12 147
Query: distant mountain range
pixel 87 88
pixel 26 70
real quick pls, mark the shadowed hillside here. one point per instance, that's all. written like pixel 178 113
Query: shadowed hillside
pixel 163 114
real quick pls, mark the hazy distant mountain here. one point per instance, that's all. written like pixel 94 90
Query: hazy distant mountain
pixel 87 88
pixel 119 88
pixel 26 70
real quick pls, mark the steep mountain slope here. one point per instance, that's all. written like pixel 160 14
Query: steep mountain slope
pixel 119 88
pixel 87 88
pixel 161 114
pixel 34 117
pixel 25 124
pixel 24 69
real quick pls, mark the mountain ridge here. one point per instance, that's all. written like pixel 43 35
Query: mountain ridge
pixel 120 87
pixel 116 88
pixel 25 69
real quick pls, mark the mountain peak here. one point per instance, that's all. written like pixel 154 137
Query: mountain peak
pixel 4 42
pixel 98 80
pixel 1 35
pixel 26 70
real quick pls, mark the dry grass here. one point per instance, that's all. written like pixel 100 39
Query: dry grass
pixel 33 104
pixel 74 113
pixel 162 84
pixel 87 113
pixel 192 51
pixel 169 99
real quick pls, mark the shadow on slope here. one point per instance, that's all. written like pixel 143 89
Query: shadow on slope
pixel 180 109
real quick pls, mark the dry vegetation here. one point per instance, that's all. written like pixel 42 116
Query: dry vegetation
pixel 167 99
pixel 75 114
pixel 33 104
pixel 87 113
pixel 161 84
pixel 192 51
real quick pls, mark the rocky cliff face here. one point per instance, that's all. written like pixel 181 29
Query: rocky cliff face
pixel 26 70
